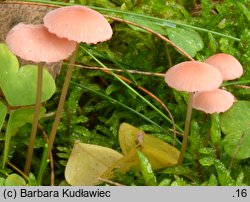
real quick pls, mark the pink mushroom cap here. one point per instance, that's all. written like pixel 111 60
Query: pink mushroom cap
pixel 228 65
pixel 78 23
pixel 35 43
pixel 215 101
pixel 192 76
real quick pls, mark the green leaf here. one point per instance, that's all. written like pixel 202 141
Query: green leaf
pixel 14 180
pixel 2 181
pixel 212 180
pixel 213 43
pixel 240 179
pixel 3 112
pixel 32 180
pixel 235 124
pixel 20 117
pixel 17 119
pixel 165 182
pixel 19 84
pixel 146 169
pixel 223 174
pixel 159 153
pixel 244 9
pixel 215 129
pixel 155 26
pixel 187 39
pixel 207 161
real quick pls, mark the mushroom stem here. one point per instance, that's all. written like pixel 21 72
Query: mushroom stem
pixel 186 130
pixel 35 119
pixel 62 100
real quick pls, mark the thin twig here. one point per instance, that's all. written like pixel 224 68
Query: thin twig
pixel 243 87
pixel 132 71
pixel 110 182
pixel 49 114
pixel 52 175
pixel 18 170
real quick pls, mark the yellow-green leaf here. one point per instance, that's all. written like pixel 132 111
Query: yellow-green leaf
pixel 160 153
pixel 87 162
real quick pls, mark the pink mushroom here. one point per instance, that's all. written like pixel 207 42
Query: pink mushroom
pixel 228 65
pixel 214 101
pixel 35 43
pixel 78 23
pixel 192 76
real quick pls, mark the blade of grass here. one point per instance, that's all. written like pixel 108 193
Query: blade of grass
pixel 43 165
pixel 236 83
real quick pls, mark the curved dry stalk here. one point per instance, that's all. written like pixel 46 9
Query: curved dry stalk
pixel 18 170
pixel 109 181
pixel 242 87
pixel 132 71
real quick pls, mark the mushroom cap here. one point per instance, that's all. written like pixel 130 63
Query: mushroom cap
pixel 213 101
pixel 192 76
pixel 78 23
pixel 35 43
pixel 228 65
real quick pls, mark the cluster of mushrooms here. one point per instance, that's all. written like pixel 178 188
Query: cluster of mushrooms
pixel 55 40
pixel 202 80
pixel 59 37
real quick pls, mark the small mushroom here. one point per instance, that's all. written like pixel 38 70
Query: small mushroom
pixel 228 65
pixel 192 76
pixel 35 43
pixel 80 24
pixel 214 101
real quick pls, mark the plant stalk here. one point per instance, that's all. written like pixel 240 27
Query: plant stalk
pixel 186 130
pixel 62 101
pixel 43 165
pixel 35 120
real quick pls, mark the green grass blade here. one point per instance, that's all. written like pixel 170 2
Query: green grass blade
pixel 44 163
